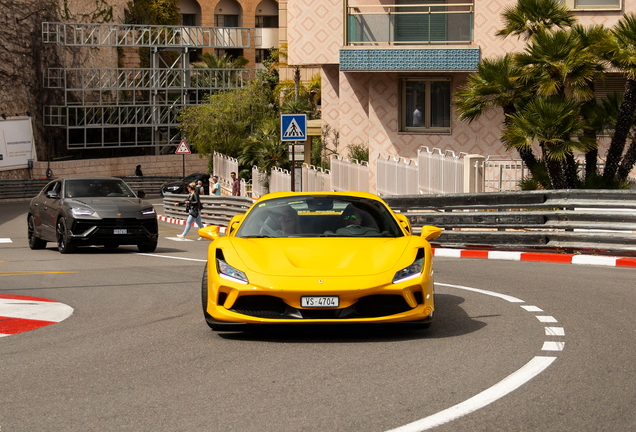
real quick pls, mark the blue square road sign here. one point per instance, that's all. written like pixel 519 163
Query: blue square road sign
pixel 293 127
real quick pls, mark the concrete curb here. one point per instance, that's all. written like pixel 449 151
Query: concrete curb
pixel 547 257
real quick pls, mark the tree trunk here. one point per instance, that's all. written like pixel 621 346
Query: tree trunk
pixel 296 83
pixel 591 158
pixel 623 125
pixel 569 167
pixel 628 162
pixel 555 170
pixel 525 153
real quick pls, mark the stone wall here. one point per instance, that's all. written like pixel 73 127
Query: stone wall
pixel 161 165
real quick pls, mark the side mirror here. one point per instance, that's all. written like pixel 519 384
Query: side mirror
pixel 430 232
pixel 209 232
pixel 235 222
pixel 404 222
pixel 51 194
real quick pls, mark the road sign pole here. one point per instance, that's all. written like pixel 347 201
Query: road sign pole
pixel 183 181
pixel 293 168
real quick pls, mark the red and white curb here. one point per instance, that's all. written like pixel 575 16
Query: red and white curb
pixel 537 257
pixel 182 222
pixel 20 314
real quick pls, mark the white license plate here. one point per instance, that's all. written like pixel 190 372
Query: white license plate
pixel 320 301
pixel 120 231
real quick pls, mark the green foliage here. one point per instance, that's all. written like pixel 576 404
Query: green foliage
pixel 359 152
pixel 226 121
pixel 103 13
pixel 152 12
pixel 265 149
pixel 324 147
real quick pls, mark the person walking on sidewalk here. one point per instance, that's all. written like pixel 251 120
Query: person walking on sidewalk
pixel 193 207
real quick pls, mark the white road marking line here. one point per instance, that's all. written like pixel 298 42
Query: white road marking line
pixel 554 331
pixel 490 293
pixel 553 346
pixel 3 335
pixel 532 309
pixel 546 319
pixel 35 310
pixel 5 240
pixel 173 257
pixel 178 239
pixel 509 384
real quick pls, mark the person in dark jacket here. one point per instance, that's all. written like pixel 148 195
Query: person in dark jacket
pixel 138 172
pixel 193 207
pixel 236 185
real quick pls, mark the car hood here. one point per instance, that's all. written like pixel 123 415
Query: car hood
pixel 320 256
pixel 108 204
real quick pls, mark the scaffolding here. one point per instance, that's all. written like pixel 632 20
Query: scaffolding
pixel 137 107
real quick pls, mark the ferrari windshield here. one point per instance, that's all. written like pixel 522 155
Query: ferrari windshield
pixel 93 188
pixel 319 216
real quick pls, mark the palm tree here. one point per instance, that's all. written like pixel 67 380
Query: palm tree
pixel 620 50
pixel 264 149
pixel 212 61
pixel 551 121
pixel 494 85
pixel 529 17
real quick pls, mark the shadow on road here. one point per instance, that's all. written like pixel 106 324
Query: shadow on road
pixel 450 321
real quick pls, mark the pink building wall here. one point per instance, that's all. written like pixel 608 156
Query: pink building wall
pixel 364 106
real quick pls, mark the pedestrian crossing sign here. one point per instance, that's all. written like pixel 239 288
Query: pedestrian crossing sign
pixel 183 148
pixel 293 127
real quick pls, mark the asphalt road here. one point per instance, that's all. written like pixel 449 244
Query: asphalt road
pixel 137 355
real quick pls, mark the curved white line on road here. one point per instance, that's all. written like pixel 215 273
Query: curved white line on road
pixel 505 297
pixel 509 384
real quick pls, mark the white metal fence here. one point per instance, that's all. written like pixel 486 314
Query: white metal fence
pixel 349 176
pixel 223 167
pixel 440 173
pixel 503 174
pixel 316 179
pixel 397 176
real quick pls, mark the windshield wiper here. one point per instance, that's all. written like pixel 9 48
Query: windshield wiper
pixel 257 236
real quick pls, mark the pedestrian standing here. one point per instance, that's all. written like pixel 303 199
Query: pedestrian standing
pixel 193 207
pixel 199 188
pixel 216 187
pixel 236 185
pixel 138 172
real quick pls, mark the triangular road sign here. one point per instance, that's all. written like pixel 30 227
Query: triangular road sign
pixel 183 148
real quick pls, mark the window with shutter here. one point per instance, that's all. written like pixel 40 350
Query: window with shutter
pixel 421 24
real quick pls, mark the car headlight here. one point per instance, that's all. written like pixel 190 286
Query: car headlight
pixel 148 211
pixel 410 272
pixel 76 211
pixel 172 188
pixel 228 272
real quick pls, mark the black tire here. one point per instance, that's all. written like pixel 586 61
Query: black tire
pixel 34 241
pixel 64 245
pixel 149 246
pixel 204 295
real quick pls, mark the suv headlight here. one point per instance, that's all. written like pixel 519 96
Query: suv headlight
pixel 76 211
pixel 148 211
pixel 172 188
pixel 228 272
pixel 410 272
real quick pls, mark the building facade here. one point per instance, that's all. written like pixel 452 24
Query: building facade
pixel 390 67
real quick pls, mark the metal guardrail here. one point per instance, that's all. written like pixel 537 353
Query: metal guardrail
pixel 217 210
pixel 20 189
pixel 591 221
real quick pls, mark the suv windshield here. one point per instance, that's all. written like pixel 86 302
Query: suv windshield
pixel 319 216
pixel 93 188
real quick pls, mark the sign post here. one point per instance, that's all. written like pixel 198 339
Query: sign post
pixel 293 128
pixel 183 149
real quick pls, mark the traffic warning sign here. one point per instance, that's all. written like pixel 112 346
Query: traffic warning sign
pixel 183 148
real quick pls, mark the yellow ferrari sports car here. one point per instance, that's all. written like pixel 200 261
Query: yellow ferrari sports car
pixel 313 257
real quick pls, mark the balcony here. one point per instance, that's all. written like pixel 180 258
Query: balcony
pixel 435 36
pixel 438 22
